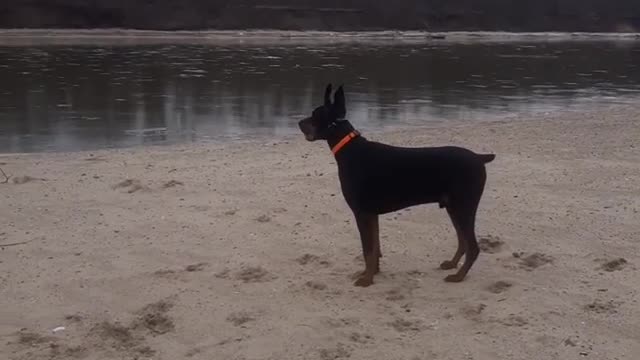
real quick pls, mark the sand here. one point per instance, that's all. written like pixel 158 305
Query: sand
pixel 245 250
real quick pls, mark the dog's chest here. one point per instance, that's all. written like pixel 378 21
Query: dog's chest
pixel 382 187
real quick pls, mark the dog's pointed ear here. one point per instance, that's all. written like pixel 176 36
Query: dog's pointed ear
pixel 339 103
pixel 327 95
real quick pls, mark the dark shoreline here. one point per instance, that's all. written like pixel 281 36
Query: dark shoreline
pixel 128 37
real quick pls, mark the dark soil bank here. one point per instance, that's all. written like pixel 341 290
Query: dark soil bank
pixel 338 15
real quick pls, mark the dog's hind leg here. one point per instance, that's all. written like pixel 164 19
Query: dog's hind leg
pixel 464 218
pixel 462 245
pixel 462 210
pixel 369 236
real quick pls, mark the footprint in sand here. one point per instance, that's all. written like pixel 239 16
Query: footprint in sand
pixel 32 339
pixel 513 321
pixel 240 318
pixel 614 265
pixel 193 352
pixel 404 325
pixel 116 335
pixel 533 261
pixel 473 312
pixel 165 273
pixel 130 339
pixel 263 219
pixel 61 351
pixel 254 274
pixel 415 273
pixel 406 286
pixel 316 285
pixel 396 294
pixel 499 287
pixel 341 351
pixel 108 336
pixel 229 341
pixel 600 307
pixel 102 338
pixel 223 274
pixel 342 322
pixel 360 338
pixel 173 273
pixel 307 259
pixel 200 208
pixel 490 244
pixel 19 180
pixel 153 317
pixel 36 346
pixel 172 183
pixel 131 185
pixel 196 267
pixel 75 318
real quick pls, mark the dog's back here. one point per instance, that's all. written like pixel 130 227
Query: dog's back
pixel 401 176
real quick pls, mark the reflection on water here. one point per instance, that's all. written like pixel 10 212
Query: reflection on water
pixel 86 97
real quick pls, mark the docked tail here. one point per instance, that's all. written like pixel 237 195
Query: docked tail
pixel 487 158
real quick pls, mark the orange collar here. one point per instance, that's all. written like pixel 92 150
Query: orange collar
pixel 345 140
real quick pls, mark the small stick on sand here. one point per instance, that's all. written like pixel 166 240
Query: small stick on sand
pixel 6 178
pixel 14 244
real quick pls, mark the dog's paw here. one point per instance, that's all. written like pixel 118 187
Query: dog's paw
pixel 448 265
pixel 364 281
pixel 454 278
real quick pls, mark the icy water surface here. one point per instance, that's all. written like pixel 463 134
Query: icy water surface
pixel 59 98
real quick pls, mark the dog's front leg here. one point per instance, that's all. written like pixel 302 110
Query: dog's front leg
pixel 369 236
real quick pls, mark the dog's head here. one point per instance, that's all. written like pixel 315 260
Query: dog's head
pixel 318 125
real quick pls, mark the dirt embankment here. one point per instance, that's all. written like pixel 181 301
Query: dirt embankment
pixel 434 15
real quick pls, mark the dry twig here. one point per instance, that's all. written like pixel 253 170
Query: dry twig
pixel 14 244
pixel 6 178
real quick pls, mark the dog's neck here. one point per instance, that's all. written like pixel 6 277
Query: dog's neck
pixel 337 131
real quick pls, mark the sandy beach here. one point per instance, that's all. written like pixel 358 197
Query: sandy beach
pixel 245 250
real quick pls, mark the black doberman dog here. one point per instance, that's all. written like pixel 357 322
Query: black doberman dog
pixel 378 178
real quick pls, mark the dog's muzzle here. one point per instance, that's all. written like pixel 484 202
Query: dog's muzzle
pixel 307 129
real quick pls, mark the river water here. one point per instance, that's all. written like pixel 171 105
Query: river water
pixel 80 97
